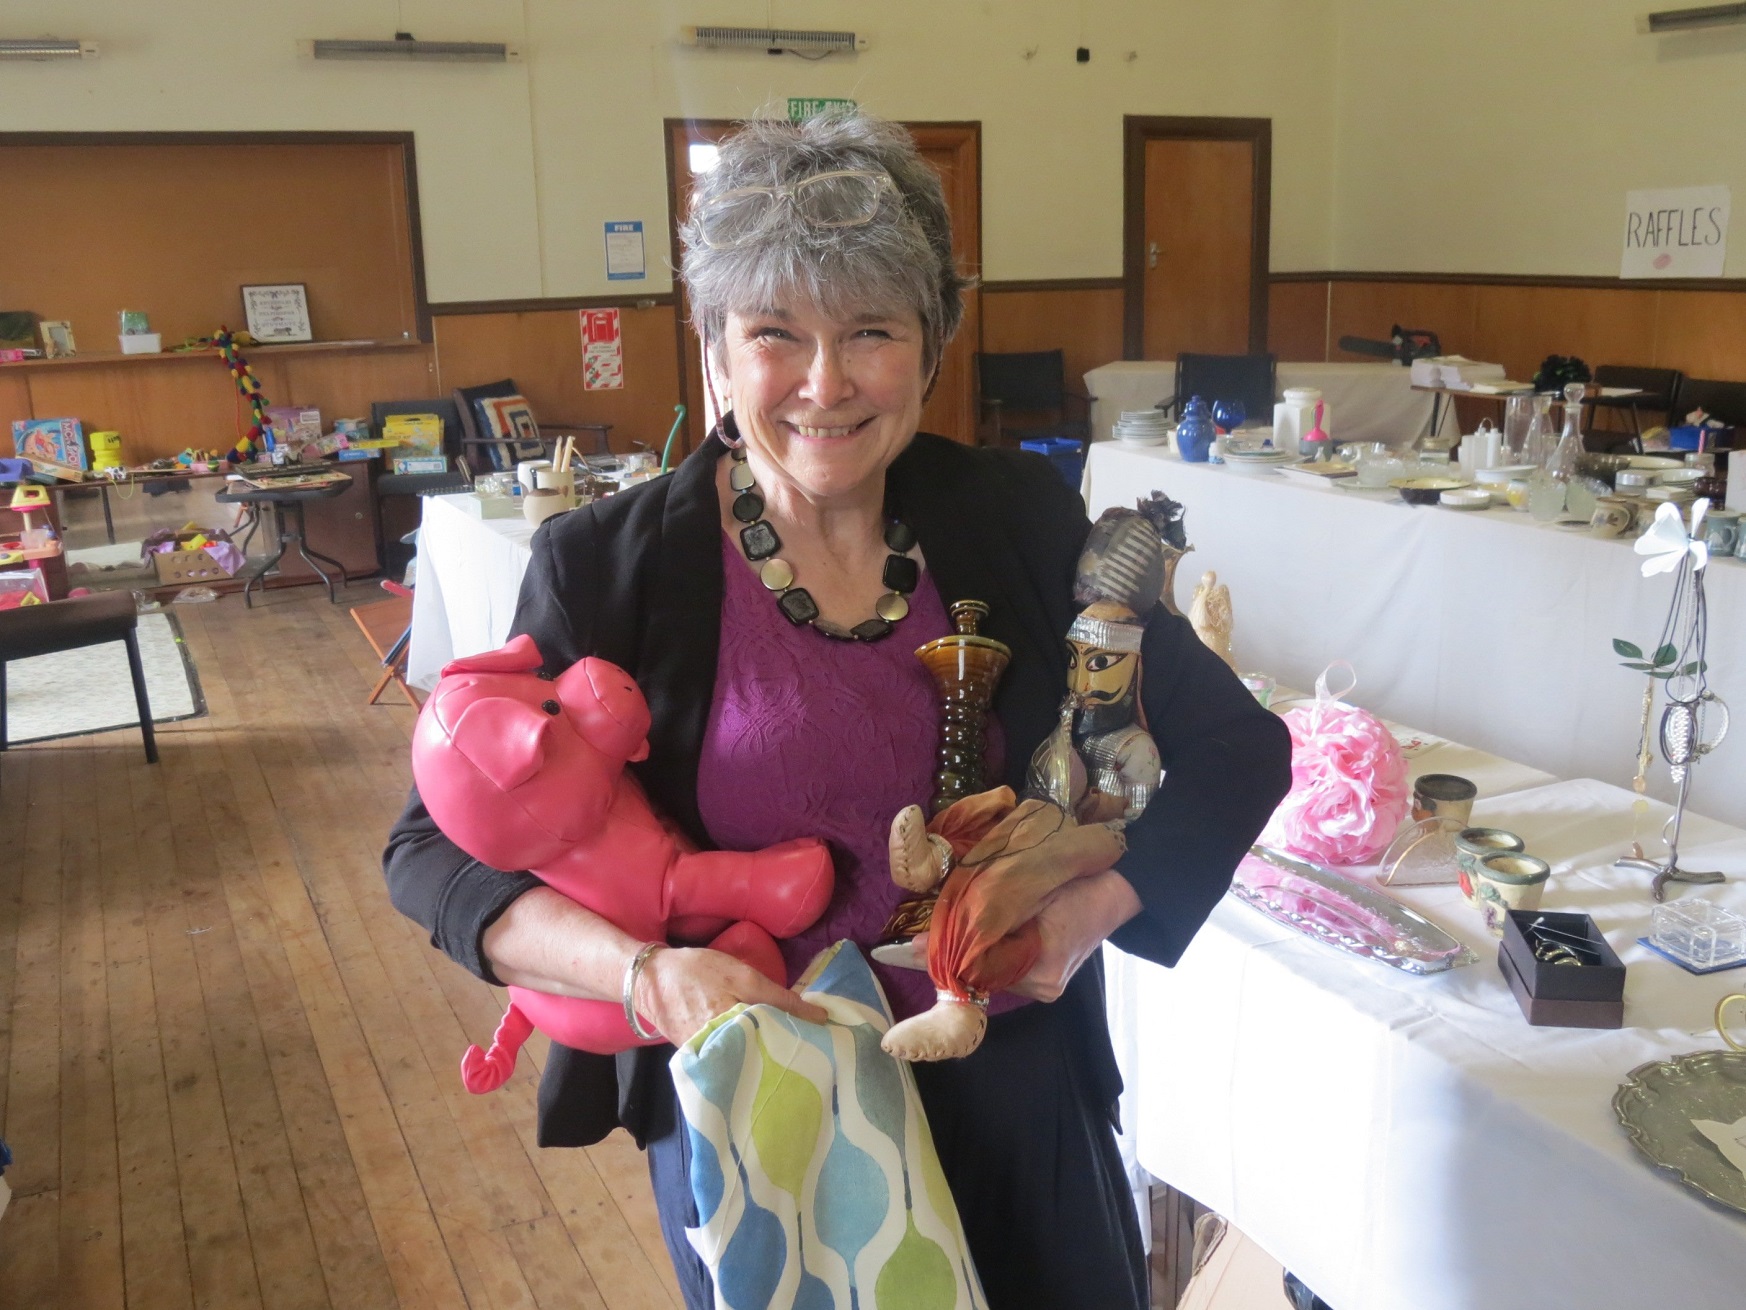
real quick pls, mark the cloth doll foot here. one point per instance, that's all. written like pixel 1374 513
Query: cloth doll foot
pixel 920 860
pixel 949 1031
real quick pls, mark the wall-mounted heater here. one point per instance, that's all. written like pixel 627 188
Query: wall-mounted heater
pixel 47 47
pixel 1683 20
pixel 775 40
pixel 404 48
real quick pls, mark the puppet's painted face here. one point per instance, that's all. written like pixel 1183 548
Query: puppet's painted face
pixel 1098 676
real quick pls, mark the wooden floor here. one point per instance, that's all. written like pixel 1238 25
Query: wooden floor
pixel 228 1068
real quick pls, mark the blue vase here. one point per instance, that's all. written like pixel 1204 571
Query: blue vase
pixel 1194 435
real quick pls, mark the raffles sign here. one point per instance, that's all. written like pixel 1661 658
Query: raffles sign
pixel 1681 233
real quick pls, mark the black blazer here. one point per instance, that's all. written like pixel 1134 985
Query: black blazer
pixel 637 579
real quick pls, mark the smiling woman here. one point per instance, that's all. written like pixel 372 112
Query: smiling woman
pixel 751 595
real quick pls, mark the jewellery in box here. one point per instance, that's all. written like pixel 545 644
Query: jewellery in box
pixel 760 542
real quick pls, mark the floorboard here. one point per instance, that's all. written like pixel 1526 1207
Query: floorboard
pixel 228 1067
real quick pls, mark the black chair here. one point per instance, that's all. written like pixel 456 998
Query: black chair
pixel 1032 383
pixel 477 441
pixel 1724 401
pixel 1245 378
pixel 1656 388
pixel 70 625
pixel 400 489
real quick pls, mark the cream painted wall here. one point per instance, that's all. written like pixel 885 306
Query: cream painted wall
pixel 520 165
pixel 1496 136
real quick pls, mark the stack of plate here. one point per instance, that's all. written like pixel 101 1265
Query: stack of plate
pixel 1143 427
pixel 1267 458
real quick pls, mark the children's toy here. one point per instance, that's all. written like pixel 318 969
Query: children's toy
pixel 249 387
pixel 526 771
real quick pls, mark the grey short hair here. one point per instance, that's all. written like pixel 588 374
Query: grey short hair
pixel 902 259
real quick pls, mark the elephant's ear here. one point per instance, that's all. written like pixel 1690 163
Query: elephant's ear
pixel 504 739
pixel 520 655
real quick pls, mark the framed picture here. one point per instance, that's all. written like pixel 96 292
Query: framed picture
pixel 57 338
pixel 277 313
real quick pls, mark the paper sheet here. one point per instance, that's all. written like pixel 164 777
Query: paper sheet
pixel 1729 1139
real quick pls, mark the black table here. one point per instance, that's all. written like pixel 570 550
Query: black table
pixel 287 504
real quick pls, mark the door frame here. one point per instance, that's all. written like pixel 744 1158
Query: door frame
pixel 1137 130
pixel 963 136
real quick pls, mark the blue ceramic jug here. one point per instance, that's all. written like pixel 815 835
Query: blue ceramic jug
pixel 1194 435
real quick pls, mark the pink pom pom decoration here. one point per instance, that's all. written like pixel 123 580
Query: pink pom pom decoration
pixel 1348 785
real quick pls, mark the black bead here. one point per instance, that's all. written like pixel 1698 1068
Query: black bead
pixel 899 537
pixel 551 707
pixel 901 574
pixel 748 507
pixel 871 630
pixel 797 604
pixel 759 540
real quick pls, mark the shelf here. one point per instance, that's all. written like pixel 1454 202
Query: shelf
pixel 96 358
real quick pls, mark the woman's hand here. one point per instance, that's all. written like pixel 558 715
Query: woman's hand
pixel 682 988
pixel 1073 923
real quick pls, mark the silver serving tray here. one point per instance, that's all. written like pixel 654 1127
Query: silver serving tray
pixel 1344 913
pixel 1657 1102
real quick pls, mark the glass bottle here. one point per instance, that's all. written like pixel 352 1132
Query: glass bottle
pixel 1562 463
pixel 1537 446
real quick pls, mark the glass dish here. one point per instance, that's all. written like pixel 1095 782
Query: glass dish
pixel 1698 933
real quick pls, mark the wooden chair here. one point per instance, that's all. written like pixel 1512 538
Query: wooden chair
pixel 387 626
pixel 70 625
pixel 1029 382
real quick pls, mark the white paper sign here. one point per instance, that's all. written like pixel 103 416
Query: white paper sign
pixel 1678 233
pixel 624 251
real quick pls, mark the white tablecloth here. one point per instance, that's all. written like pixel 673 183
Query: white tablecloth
pixel 1366 402
pixel 469 576
pixel 1412 1142
pixel 1483 627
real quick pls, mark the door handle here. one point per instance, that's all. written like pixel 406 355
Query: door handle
pixel 1151 254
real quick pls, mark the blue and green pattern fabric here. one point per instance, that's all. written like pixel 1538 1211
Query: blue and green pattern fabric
pixel 815 1176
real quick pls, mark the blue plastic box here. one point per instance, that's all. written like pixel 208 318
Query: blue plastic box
pixel 1066 454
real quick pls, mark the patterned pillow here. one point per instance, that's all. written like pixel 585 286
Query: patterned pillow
pixel 509 421
pixel 815 1176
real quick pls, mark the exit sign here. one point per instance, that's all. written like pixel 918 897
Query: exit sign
pixel 801 108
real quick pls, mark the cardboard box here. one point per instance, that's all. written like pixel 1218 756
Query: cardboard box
pixel 1562 995
pixel 421 464
pixel 180 566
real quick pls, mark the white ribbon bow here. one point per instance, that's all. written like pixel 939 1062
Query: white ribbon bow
pixel 1669 539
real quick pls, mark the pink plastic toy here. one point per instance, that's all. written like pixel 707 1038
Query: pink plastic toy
pixel 527 772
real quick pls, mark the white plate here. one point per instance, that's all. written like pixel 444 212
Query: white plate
pixel 1142 441
pixel 1653 462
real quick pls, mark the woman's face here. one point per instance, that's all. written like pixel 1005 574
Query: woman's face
pixel 824 405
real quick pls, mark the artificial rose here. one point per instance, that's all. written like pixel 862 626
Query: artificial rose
pixel 1348 786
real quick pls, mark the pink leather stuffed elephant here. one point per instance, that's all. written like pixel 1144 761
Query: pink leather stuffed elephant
pixel 523 771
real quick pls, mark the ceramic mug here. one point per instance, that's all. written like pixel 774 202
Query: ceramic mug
pixel 1722 531
pixel 1505 881
pixel 1613 516
pixel 1444 796
pixel 1471 844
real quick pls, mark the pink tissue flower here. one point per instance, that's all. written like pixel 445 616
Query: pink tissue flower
pixel 1348 786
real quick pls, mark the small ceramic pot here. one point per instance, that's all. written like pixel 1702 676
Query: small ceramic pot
pixel 1505 881
pixel 1471 844
pixel 1194 435
pixel 538 506
pixel 1444 796
pixel 1722 531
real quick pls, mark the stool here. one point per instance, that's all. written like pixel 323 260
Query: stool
pixel 287 504
pixel 68 625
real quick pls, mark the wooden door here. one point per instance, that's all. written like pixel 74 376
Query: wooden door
pixel 954 150
pixel 1197 231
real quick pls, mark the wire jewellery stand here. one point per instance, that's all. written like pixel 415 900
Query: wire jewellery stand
pixel 1696 719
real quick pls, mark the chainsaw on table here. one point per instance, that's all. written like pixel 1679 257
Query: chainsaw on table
pixel 1403 346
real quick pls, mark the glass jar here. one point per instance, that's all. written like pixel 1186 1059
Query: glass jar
pixel 1537 445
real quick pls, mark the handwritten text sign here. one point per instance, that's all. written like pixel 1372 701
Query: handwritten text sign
pixel 1679 233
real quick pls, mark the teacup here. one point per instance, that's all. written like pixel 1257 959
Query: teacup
pixel 1471 844
pixel 1445 795
pixel 1505 881
pixel 1722 531
pixel 1612 516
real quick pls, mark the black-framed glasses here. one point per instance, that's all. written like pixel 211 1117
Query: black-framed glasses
pixel 847 197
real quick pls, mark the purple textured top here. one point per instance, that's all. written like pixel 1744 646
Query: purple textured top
pixel 809 737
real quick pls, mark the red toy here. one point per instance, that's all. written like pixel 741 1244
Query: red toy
pixel 523 771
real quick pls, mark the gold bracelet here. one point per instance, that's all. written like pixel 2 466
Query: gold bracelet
pixel 631 971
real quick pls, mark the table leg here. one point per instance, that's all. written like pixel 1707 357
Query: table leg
pixel 310 556
pixel 261 573
pixel 108 518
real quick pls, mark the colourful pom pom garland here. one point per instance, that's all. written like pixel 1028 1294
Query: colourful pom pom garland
pixel 249 387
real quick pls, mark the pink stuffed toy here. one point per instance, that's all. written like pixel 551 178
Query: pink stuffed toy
pixel 523 771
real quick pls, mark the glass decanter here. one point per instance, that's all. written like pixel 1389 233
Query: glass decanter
pixel 1537 446
pixel 1563 460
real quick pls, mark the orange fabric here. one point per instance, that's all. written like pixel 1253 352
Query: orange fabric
pixel 984 936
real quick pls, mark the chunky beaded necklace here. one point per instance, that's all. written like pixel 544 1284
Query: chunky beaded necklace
pixel 760 542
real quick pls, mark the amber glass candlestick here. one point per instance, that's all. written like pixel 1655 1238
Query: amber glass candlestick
pixel 965 667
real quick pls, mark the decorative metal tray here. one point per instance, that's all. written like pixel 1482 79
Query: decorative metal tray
pixel 1657 1102
pixel 1345 913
